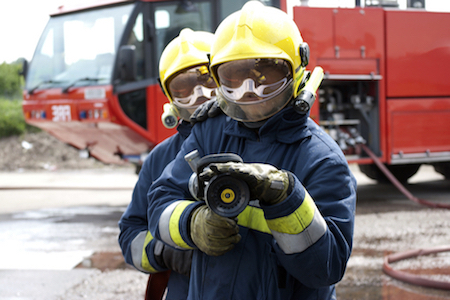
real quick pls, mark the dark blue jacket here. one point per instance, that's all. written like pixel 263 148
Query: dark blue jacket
pixel 257 268
pixel 134 220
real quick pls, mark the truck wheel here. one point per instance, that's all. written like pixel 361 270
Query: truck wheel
pixel 401 172
pixel 443 168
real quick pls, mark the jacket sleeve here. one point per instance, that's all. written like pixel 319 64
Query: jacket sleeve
pixel 135 240
pixel 170 203
pixel 313 226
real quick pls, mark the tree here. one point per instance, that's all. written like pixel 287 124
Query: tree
pixel 10 81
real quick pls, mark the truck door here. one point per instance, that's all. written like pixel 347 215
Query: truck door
pixel 150 28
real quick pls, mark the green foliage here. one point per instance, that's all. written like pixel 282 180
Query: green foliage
pixel 10 81
pixel 12 121
pixel 11 118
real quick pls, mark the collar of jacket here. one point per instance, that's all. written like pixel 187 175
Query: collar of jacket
pixel 286 127
pixel 184 129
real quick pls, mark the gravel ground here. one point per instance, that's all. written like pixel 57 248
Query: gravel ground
pixel 109 285
pixel 41 151
pixel 377 231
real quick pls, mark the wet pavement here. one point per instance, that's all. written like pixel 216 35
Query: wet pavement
pixel 62 243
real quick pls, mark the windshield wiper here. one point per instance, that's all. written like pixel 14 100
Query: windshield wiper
pixel 91 79
pixel 31 91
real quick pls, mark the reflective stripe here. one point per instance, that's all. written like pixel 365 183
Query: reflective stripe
pixel 253 218
pixel 138 253
pixel 145 262
pixel 169 225
pixel 298 220
pixel 174 226
pixel 296 243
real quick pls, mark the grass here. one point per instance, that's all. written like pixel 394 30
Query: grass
pixel 12 121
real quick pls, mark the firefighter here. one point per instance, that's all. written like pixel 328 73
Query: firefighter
pixel 294 239
pixel 186 82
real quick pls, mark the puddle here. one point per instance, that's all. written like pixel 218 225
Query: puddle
pixel 56 239
pixel 37 260
pixel 365 280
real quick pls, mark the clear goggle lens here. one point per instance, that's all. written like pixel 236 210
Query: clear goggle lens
pixel 261 77
pixel 248 86
pixel 192 86
pixel 198 93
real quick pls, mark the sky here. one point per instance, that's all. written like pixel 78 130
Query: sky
pixel 22 22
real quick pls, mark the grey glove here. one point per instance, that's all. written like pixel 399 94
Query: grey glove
pixel 266 183
pixel 208 109
pixel 173 259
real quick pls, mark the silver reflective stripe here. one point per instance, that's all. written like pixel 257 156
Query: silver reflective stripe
pixel 296 243
pixel 137 246
pixel 164 224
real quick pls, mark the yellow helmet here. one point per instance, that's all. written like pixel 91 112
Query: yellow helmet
pixel 257 36
pixel 184 74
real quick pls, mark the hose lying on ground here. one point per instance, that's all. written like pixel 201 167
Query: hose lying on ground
pixel 412 278
pixel 397 183
pixel 401 275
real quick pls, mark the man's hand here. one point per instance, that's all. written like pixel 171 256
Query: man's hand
pixel 266 183
pixel 213 234
pixel 173 259
pixel 209 109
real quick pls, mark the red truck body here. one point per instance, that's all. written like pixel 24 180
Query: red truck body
pixel 114 118
pixel 388 69
pixel 385 79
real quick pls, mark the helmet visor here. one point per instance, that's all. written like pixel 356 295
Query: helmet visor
pixel 252 90
pixel 192 87
pixel 253 79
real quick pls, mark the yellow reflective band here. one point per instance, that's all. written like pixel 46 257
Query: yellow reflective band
pixel 297 221
pixel 174 230
pixel 253 218
pixel 145 263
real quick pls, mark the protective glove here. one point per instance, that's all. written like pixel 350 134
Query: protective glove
pixel 208 109
pixel 266 183
pixel 211 233
pixel 173 259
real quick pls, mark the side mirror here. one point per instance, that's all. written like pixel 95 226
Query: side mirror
pixel 24 70
pixel 127 63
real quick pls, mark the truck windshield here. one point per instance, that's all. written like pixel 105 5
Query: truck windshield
pixel 78 45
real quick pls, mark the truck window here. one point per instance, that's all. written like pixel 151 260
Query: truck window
pixel 171 18
pixel 78 45
pixel 136 39
pixel 228 7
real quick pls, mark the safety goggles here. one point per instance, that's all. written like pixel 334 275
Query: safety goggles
pixel 261 77
pixel 189 86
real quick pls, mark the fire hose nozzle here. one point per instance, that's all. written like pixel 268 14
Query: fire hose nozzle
pixel 224 194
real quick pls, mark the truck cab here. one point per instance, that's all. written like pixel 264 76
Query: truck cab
pixel 93 80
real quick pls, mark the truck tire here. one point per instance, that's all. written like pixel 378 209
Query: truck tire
pixel 443 168
pixel 401 172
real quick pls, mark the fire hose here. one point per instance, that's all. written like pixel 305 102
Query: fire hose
pixel 397 183
pixel 400 275
pixel 412 278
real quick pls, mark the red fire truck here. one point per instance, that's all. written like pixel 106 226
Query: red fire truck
pixel 385 84
pixel 92 82
pixel 93 79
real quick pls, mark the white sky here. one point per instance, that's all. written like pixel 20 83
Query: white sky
pixel 21 22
